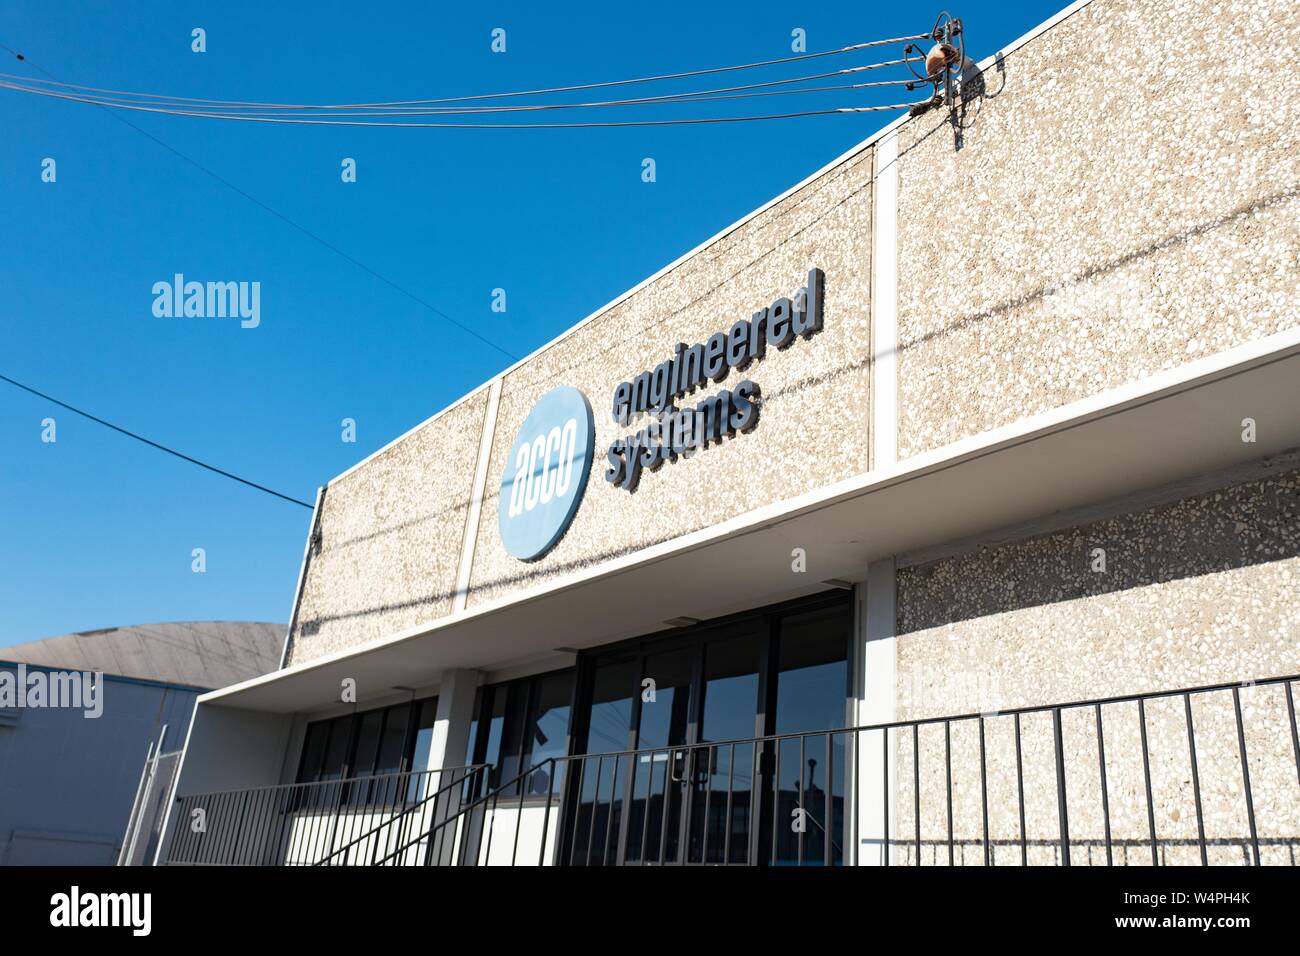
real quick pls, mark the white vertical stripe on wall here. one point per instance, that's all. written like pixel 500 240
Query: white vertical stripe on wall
pixel 876 705
pixel 461 596
pixel 884 305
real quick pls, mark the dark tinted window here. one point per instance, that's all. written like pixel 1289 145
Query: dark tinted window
pixel 813 670
pixel 392 742
pixel 423 733
pixel 611 707
pixel 520 724
pixel 384 741
pixel 367 747
pixel 336 749
pixel 313 751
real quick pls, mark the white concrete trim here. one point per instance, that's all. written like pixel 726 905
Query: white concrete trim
pixel 884 305
pixel 1144 499
pixel 452 719
pixel 877 704
pixel 1203 371
pixel 466 569
pixel 302 577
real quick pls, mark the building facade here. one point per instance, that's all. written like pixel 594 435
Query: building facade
pixel 943 509
pixel 70 765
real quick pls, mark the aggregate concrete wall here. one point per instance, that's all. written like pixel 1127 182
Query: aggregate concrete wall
pixel 1097 220
pixel 1196 593
pixel 391 533
pixel 391 530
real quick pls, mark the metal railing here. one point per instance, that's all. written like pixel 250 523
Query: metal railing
pixel 440 806
pixel 1197 775
pixel 1098 781
pixel 346 821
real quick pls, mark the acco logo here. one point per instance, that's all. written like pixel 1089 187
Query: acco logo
pixel 546 473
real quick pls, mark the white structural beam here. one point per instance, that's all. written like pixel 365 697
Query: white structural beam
pixel 876 751
pixel 460 598
pixel 884 304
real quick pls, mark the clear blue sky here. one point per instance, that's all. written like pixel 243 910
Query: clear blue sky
pixel 97 530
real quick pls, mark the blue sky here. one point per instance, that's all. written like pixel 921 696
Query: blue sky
pixel 97 530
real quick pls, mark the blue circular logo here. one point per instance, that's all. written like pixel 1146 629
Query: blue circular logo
pixel 546 473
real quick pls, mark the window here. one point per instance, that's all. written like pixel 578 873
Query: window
pixel 520 724
pixel 389 740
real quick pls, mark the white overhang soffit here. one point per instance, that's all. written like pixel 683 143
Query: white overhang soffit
pixel 1162 429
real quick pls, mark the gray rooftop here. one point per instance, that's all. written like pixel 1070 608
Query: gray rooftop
pixel 206 654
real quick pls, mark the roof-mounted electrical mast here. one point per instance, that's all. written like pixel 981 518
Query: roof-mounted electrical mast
pixel 943 66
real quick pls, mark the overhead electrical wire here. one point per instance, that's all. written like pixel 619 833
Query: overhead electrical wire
pixel 687 97
pixel 491 96
pixel 303 121
pixel 289 114
pixel 387 113
pixel 153 444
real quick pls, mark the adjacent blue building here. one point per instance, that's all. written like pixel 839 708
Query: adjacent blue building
pixel 68 779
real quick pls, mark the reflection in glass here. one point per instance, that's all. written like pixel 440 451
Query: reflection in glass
pixel 664 722
pixel 720 829
pixel 812 685
pixel 547 732
pixel 600 800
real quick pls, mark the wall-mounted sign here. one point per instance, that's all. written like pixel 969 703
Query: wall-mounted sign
pixel 546 473
pixel 674 432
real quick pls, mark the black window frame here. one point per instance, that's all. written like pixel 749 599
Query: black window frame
pixel 350 724
pixel 522 708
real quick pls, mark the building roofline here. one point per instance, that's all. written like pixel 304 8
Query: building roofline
pixel 121 678
pixel 852 151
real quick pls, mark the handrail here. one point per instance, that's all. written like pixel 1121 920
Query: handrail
pixel 459 781
pixel 467 808
pixel 307 784
pixel 924 721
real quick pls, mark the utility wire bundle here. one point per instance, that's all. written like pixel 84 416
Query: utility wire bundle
pixel 941 66
pixel 447 109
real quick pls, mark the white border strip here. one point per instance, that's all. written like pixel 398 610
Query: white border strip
pixel 461 596
pixel 302 577
pixel 877 704
pixel 884 306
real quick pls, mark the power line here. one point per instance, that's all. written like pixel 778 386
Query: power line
pixel 153 444
pixel 286 220
pixel 486 96
pixel 114 98
pixel 392 124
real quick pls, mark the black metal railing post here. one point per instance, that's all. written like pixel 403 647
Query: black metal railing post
pixel 1062 809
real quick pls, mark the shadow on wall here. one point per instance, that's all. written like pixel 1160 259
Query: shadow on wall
pixel 965 114
pixel 1253 523
pixel 974 92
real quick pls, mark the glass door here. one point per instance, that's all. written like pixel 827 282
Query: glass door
pixel 810 772
pixel 720 775
pixel 665 720
pixel 669 770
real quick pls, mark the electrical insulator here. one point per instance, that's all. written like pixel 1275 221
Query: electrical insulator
pixel 941 55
